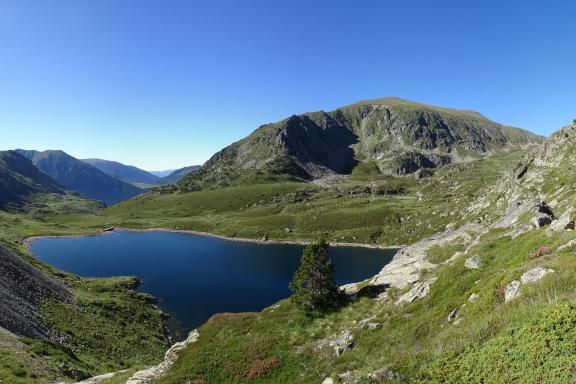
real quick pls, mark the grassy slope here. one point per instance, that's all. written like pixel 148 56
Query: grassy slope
pixel 364 208
pixel 261 347
pixel 110 328
pixel 495 342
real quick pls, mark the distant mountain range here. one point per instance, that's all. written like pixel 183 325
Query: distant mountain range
pixel 178 174
pixel 389 136
pixel 162 173
pixel 127 173
pixel 81 177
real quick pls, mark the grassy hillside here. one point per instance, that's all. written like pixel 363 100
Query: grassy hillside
pixel 363 208
pixel 24 188
pixel 108 327
pixel 529 340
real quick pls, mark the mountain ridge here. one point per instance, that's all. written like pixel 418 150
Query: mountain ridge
pixel 390 135
pixel 127 173
pixel 81 177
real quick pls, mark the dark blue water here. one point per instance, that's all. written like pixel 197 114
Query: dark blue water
pixel 194 276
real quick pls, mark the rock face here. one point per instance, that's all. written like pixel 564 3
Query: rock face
pixel 512 290
pixel 392 136
pixel 147 375
pixel 544 214
pixel 534 275
pixel 22 288
pixel 473 262
pixel 404 269
pixel 418 291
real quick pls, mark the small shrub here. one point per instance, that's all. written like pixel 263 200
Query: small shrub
pixel 19 372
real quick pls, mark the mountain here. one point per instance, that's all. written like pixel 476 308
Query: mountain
pixel 487 298
pixel 388 136
pixel 81 177
pixel 162 173
pixel 20 181
pixel 178 174
pixel 127 173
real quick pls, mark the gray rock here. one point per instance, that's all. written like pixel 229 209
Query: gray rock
pixel 454 314
pixel 342 343
pixel 328 380
pixel 512 290
pixel 473 297
pixel 563 222
pixel 372 325
pixel 147 375
pixel 474 262
pixel 384 374
pixel 535 274
pixel 418 291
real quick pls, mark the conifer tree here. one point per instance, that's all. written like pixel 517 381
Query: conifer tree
pixel 313 286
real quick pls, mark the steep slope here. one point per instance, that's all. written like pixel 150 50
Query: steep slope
pixel 392 136
pixel 127 173
pixel 20 180
pixel 178 174
pixel 22 289
pixel 81 177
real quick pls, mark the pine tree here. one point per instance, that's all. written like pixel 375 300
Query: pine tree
pixel 313 286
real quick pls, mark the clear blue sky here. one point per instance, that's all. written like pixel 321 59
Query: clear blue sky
pixel 162 84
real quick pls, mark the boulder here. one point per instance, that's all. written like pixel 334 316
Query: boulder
pixel 473 297
pixel 384 374
pixel 563 222
pixel 534 275
pixel 342 343
pixel 512 290
pixel 454 314
pixel 418 291
pixel 474 262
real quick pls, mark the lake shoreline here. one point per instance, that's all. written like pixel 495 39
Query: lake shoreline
pixel 27 241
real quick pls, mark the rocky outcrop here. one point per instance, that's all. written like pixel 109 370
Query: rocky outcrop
pixel 404 269
pixel 23 288
pixel 534 275
pixel 147 375
pixel 342 343
pixel 474 262
pixel 418 291
pixel 531 276
pixel 512 290
pixel 544 214
pixel 99 378
pixel 395 136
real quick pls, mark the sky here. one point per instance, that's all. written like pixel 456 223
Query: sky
pixel 162 84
